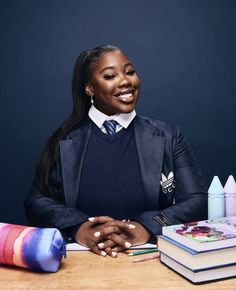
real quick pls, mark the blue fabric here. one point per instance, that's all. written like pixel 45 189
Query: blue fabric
pixel 110 180
pixel 110 126
pixel 161 149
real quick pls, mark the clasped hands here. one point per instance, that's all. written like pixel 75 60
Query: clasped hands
pixel 104 235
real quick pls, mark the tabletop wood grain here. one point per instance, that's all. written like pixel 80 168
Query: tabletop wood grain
pixel 85 270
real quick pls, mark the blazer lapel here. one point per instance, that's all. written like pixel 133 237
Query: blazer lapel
pixel 150 149
pixel 72 154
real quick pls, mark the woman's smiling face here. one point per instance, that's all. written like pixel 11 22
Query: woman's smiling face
pixel 114 84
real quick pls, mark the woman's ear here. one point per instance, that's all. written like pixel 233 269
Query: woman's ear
pixel 89 90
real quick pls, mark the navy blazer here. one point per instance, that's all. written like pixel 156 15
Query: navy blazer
pixel 173 185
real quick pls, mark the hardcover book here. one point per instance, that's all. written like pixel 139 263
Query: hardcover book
pixel 199 276
pixel 194 260
pixel 204 235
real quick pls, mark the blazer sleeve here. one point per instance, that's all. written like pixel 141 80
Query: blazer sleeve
pixel 189 200
pixel 43 211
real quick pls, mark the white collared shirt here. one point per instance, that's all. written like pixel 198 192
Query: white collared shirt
pixel 99 118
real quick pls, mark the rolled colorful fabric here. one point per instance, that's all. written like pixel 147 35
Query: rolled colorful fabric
pixel 39 249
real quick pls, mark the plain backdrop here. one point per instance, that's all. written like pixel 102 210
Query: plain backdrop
pixel 184 52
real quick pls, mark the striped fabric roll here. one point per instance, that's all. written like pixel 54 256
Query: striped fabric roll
pixel 39 249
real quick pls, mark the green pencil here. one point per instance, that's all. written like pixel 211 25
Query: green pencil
pixel 143 252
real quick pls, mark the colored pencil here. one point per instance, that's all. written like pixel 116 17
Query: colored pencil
pixel 143 252
pixel 150 257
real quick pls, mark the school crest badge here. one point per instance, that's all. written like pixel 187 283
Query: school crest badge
pixel 167 182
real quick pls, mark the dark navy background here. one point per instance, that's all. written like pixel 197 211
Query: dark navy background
pixel 183 50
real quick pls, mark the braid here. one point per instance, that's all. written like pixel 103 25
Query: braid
pixel 44 181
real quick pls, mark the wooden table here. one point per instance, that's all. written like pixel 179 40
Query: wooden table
pixel 84 270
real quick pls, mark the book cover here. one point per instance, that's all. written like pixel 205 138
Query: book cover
pixel 199 276
pixel 196 260
pixel 204 235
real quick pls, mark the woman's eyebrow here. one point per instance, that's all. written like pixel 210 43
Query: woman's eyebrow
pixel 112 67
pixel 108 67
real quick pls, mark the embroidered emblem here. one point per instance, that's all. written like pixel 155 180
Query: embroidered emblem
pixel 167 183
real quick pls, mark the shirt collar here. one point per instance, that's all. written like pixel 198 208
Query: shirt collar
pixel 123 119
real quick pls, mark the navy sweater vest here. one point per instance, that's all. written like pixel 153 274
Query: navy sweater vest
pixel 110 181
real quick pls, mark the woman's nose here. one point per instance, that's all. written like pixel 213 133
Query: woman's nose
pixel 124 81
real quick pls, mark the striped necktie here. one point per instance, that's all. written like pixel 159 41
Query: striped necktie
pixel 110 126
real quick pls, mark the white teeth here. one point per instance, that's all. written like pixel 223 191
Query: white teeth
pixel 125 97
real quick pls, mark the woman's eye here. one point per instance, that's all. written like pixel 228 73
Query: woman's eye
pixel 131 72
pixel 109 77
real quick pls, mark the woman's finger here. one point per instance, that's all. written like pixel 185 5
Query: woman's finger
pixel 111 222
pixel 124 226
pixel 120 241
pixel 106 244
pixel 103 232
pixel 118 249
pixel 110 252
pixel 94 248
pixel 100 219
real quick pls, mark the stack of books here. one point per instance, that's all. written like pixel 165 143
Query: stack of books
pixel 200 251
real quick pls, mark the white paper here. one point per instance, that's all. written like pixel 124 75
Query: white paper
pixel 78 247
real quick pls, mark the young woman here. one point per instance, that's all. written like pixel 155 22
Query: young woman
pixel 109 178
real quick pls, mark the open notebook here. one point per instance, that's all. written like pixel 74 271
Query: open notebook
pixel 78 247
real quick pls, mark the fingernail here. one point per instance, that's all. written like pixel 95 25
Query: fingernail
pixel 91 219
pixel 101 245
pixel 114 254
pixel 97 234
pixel 103 253
pixel 124 220
pixel 131 226
pixel 127 245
